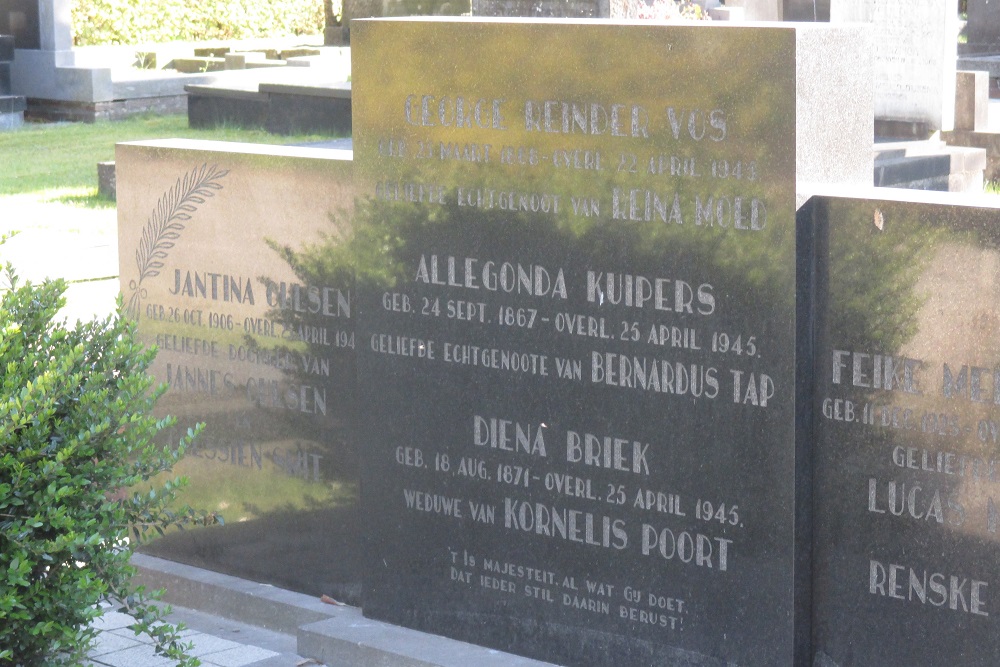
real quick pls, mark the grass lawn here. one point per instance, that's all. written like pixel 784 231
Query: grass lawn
pixel 58 161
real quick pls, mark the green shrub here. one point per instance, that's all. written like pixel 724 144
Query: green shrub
pixel 76 441
pixel 98 22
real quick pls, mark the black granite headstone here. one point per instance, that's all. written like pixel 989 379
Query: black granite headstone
pixel 11 106
pixel 907 481
pixel 806 10
pixel 6 48
pixel 20 18
pixel 576 316
pixel 5 87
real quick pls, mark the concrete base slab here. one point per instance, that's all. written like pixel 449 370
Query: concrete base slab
pixel 199 65
pixel 214 110
pixel 349 639
pixel 130 84
pixel 89 112
pixel 297 102
pixel 53 75
pixel 306 114
pixel 988 141
pixel 11 121
pixel 903 130
pixel 929 165
pixel 333 634
pixel 216 642
pixel 229 597
pixel 340 90
pixel 12 104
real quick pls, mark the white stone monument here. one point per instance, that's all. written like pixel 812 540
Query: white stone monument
pixel 915 55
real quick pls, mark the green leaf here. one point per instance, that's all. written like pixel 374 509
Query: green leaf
pixel 75 421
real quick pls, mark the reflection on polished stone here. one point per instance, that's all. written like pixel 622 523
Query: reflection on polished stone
pixel 223 249
pixel 907 396
pixel 576 289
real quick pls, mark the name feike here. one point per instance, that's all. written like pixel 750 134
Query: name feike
pixel 887 373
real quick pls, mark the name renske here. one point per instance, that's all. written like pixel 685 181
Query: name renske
pixel 473 273
pixel 938 589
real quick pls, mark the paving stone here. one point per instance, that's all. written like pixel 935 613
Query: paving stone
pixel 113 620
pixel 206 644
pixel 129 633
pixel 108 642
pixel 238 657
pixel 139 656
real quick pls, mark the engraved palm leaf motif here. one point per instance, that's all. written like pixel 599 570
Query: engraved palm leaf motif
pixel 172 213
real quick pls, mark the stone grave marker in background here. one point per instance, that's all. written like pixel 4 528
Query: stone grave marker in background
pixel 805 10
pixel 576 312
pixel 983 28
pixel 45 69
pixel 915 50
pixel 972 101
pixel 758 10
pixel 734 10
pixel 906 483
pixel 222 252
pixel 11 106
pixel 20 18
pixel 364 9
pixel 586 9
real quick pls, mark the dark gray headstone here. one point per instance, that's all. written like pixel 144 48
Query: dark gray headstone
pixel 6 48
pixel 984 25
pixel 11 106
pixel 576 312
pixel 907 482
pixel 583 9
pixel 5 78
pixel 806 10
pixel 20 18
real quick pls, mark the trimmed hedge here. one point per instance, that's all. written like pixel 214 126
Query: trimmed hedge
pixel 76 445
pixel 100 22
